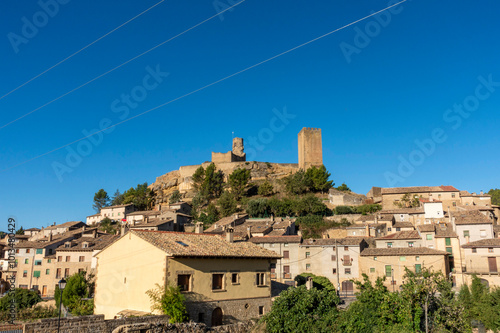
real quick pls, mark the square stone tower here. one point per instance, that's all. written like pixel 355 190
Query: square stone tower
pixel 310 148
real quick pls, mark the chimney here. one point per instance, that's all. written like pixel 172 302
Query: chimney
pixel 230 235
pixel 198 228
pixel 309 283
pixel 272 217
pixel 376 219
pixel 481 192
pixel 367 230
pixel 249 231
pixel 122 230
pixel 94 233
pixel 50 237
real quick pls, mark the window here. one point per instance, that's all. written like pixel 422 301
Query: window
pixel 453 195
pixel 449 250
pixel 260 279
pixel 474 250
pixel 82 270
pixel 372 269
pixel 466 233
pixel 308 267
pixel 49 261
pixel 389 229
pixel 410 244
pixel 346 248
pixel 454 204
pixel 308 254
pixel 81 258
pixel 428 236
pixel 490 250
pixel 50 251
pixel 85 245
pixel 201 317
pixel 334 258
pixel 439 195
pixel 183 281
pixel 418 268
pixel 27 250
pixel 447 241
pixel 217 281
pixel 38 263
pixel 402 258
pixel 17 250
pixel 36 274
pixel 39 251
pixel 235 279
pixel 285 244
pixel 66 272
pixel 47 271
pixel 26 261
pixel 68 258
pixel 388 270
pixel 482 233
pixel 286 254
pixel 389 244
pixel 59 258
pixel 334 271
pixel 66 245
pixel 398 229
pixel 25 273
pixel 58 273
pixel 347 271
pixel 417 258
pixel 261 310
pixel 375 258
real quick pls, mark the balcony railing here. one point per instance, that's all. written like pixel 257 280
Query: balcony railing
pixel 347 263
pixel 468 270
pixel 287 276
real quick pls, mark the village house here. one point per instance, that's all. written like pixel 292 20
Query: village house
pixel 481 259
pixel 222 280
pixel 401 239
pixel 155 224
pixel 114 213
pixel 56 229
pixel 391 263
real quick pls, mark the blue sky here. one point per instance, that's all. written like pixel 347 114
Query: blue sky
pixel 409 97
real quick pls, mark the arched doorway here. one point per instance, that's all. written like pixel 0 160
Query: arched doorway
pixel 217 317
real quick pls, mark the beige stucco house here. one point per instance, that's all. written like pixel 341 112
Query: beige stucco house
pixel 221 279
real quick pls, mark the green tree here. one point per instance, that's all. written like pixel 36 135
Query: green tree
pixel 101 199
pixel 117 198
pixel 310 204
pixel 198 178
pixel 20 231
pixel 495 196
pixel 141 196
pixel 344 188
pixel 108 226
pixel 210 216
pixel 170 301
pixel 319 282
pixel 317 179
pixel 265 189
pixel 302 310
pixel 258 207
pixel 298 183
pixel 78 287
pixel 238 180
pixel 341 210
pixel 227 204
pixel 175 197
pixel 23 299
pixel 408 201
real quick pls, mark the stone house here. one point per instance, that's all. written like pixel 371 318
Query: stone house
pixel 473 199
pixel 401 239
pixel 391 263
pixel 449 195
pixel 481 258
pixel 287 247
pixel 155 224
pixel 340 198
pixel 222 280
pixel 57 229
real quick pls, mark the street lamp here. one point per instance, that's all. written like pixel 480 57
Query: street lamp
pixel 62 285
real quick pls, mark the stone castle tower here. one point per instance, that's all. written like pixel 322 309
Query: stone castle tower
pixel 235 155
pixel 310 148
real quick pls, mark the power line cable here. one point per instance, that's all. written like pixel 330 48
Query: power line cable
pixel 199 89
pixel 115 68
pixel 80 50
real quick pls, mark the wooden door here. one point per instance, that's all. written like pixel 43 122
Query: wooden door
pixel 492 264
pixel 217 317
pixel 44 291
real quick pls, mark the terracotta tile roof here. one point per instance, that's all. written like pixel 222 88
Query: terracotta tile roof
pixel 145 212
pixel 416 210
pixel 97 214
pixel 409 234
pixel 401 251
pixel 66 225
pixel 117 206
pixel 93 243
pixel 278 232
pixel 445 230
pixel 152 223
pixel 364 218
pixel 418 189
pixel 183 244
pixel 33 229
pixel 471 217
pixel 276 239
pixel 403 225
pixel 352 241
pixel 426 228
pixel 226 221
pixel 473 207
pixel 491 242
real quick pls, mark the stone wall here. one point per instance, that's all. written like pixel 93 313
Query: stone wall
pixel 151 324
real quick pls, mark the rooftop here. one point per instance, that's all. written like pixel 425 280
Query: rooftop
pixel 418 189
pixel 409 234
pixel 491 242
pixel 352 241
pixel 183 244
pixel 403 225
pixel 276 239
pixel 471 217
pixel 401 251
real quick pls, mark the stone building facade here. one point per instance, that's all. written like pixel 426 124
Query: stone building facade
pixel 310 148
